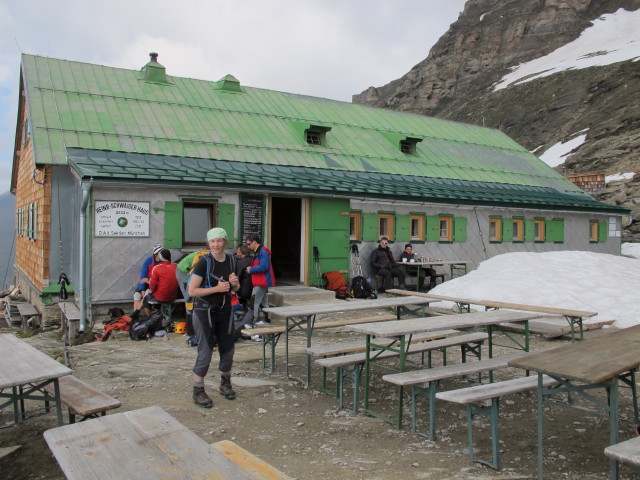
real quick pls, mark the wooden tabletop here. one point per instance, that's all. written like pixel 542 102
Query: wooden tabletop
pixel 595 360
pixel 147 443
pixel 345 306
pixel 498 304
pixel 436 262
pixel 20 363
pixel 396 328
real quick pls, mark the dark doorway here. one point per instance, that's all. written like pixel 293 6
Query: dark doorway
pixel 285 239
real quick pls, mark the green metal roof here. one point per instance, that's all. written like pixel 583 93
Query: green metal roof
pixel 119 166
pixel 94 107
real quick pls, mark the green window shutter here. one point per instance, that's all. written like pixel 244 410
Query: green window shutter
pixel 529 230
pixel 369 227
pixel 173 224
pixel 554 230
pixel 602 231
pixel 459 229
pixel 433 229
pixel 226 220
pixel 507 229
pixel 402 228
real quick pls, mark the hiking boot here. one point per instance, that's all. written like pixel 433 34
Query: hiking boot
pixel 226 390
pixel 201 398
pixel 256 338
pixel 192 341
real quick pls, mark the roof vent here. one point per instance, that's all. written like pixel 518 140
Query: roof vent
pixel 228 83
pixel 154 72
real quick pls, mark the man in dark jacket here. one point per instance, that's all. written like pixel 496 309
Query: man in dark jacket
pixel 384 265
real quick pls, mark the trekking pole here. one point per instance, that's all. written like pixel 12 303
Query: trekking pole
pixel 316 259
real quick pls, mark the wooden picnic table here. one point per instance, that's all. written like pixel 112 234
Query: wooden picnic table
pixel 579 367
pixel 401 332
pixel 303 317
pixel 574 317
pixel 25 371
pixel 146 443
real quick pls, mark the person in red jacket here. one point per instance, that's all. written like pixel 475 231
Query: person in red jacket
pixel 262 276
pixel 163 283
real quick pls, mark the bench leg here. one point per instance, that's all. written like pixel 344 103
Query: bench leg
pixel 430 391
pixel 492 413
pixel 353 375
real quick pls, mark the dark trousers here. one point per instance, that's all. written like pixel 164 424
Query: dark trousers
pixel 209 330
pixel 388 275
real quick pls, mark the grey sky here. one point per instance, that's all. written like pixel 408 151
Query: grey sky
pixel 333 48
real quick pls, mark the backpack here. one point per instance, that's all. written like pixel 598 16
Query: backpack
pixel 360 288
pixel 337 283
pixel 143 328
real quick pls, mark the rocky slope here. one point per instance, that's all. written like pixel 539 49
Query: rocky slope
pixel 456 82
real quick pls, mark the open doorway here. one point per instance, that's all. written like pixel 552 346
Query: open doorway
pixel 286 222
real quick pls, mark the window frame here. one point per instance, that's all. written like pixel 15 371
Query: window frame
pixel 495 229
pixel 211 206
pixel 539 230
pixel 594 227
pixel 355 226
pixel 390 224
pixel 421 229
pixel 517 225
pixel 447 220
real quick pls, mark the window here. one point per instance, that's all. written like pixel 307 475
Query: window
pixel 385 226
pixel 32 222
pixel 20 222
pixel 416 227
pixel 316 134
pixel 446 229
pixel 538 229
pixel 198 219
pixel 518 230
pixel 495 229
pixel 408 145
pixel 354 226
pixel 593 231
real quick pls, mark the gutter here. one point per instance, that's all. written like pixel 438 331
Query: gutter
pixel 86 193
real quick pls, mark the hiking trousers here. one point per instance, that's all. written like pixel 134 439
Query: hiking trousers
pixel 211 327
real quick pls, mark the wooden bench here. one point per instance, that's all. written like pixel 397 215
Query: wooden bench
pixel 69 319
pixel 271 334
pixel 426 382
pixel 626 452
pixel 485 400
pixel 345 348
pixel 350 366
pixel 29 316
pixel 82 399
pixel 254 466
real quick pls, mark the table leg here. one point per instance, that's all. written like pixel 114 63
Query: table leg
pixel 540 434
pixel 56 389
pixel 613 426
pixel 367 373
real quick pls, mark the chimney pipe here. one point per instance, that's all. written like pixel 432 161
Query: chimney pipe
pixel 154 56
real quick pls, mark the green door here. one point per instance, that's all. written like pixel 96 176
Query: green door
pixel 329 232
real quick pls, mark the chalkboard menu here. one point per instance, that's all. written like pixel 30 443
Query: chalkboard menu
pixel 252 215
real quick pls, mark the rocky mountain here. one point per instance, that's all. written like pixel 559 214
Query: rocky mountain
pixel 458 79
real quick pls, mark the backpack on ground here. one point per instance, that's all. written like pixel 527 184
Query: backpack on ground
pixel 337 283
pixel 360 288
pixel 143 327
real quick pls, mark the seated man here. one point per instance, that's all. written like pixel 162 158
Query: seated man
pixel 424 271
pixel 383 264
pixel 163 283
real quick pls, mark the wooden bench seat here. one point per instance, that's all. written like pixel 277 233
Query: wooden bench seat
pixel 485 400
pixel 349 366
pixel 271 334
pixel 29 316
pixel 82 399
pixel 426 382
pixel 343 348
pixel 626 452
pixel 69 319
pixel 254 466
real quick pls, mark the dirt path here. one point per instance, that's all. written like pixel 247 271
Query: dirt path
pixel 301 431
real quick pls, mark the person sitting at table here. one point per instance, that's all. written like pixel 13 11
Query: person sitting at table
pixel 424 270
pixel 384 265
